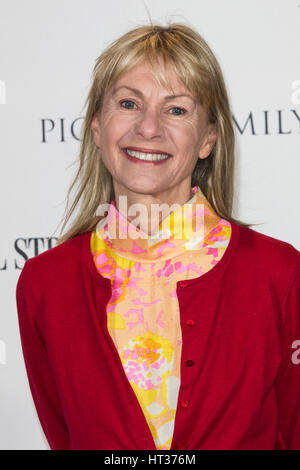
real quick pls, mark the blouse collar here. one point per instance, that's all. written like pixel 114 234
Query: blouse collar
pixel 183 229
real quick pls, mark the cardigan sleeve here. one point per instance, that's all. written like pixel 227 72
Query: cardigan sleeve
pixel 40 377
pixel 288 378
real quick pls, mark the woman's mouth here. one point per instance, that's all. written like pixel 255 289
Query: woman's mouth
pixel 141 157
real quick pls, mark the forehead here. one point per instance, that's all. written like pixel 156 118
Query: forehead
pixel 143 74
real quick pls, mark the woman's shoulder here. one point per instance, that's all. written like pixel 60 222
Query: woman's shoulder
pixel 269 253
pixel 57 261
pixel 263 243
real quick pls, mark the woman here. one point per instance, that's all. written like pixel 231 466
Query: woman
pixel 171 330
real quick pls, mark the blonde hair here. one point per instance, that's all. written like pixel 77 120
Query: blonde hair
pixel 195 64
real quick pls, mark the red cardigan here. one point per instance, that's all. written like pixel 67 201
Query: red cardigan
pixel 240 325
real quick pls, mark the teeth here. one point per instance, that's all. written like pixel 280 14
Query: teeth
pixel 147 156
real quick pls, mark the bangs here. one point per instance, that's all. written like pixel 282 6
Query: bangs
pixel 166 50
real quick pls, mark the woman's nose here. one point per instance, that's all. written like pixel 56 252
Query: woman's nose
pixel 149 123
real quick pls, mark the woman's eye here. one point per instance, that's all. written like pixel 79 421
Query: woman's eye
pixel 123 104
pixel 126 101
pixel 180 109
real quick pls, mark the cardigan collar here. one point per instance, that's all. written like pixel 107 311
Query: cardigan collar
pixel 183 229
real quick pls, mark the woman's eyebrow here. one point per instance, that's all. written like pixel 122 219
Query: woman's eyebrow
pixel 139 93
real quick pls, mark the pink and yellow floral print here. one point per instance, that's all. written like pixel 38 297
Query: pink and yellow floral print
pixel 143 316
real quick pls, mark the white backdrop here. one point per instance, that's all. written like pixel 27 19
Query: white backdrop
pixel 47 52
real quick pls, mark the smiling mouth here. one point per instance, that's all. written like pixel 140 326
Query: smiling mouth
pixel 146 157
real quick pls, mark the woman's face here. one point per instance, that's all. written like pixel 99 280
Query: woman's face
pixel 139 114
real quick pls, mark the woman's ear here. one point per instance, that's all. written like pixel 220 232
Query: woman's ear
pixel 95 128
pixel 209 141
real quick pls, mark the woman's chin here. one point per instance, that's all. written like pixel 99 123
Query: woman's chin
pixel 143 186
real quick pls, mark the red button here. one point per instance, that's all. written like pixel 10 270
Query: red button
pixel 190 322
pixel 184 403
pixel 189 363
pixel 183 284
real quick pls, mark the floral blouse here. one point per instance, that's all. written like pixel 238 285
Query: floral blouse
pixel 143 316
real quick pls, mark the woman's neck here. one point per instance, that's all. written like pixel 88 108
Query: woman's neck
pixel 147 211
